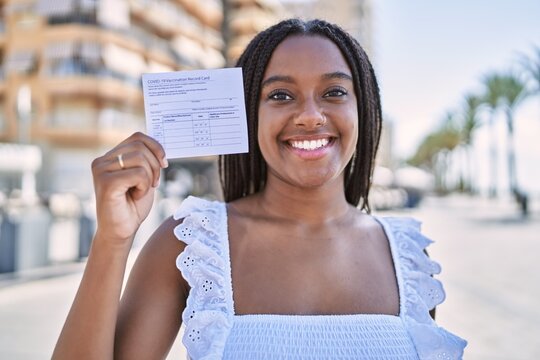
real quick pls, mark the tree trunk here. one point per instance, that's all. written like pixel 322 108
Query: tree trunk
pixel 493 157
pixel 470 181
pixel 512 176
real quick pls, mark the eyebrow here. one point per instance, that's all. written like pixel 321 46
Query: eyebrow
pixel 289 79
pixel 337 75
pixel 277 78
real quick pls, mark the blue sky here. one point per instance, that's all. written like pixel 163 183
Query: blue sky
pixel 428 54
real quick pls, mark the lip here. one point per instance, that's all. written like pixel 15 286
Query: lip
pixel 309 137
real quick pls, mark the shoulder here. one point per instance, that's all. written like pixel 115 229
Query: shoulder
pixel 403 231
pixel 163 248
pixel 160 253
pixel 171 240
pixel 199 216
pixel 420 291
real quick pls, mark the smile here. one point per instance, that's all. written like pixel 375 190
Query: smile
pixel 309 144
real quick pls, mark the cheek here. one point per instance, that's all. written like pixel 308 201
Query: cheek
pixel 352 127
pixel 271 125
pixel 265 135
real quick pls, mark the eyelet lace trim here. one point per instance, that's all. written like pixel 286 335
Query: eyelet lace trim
pixel 209 311
pixel 421 293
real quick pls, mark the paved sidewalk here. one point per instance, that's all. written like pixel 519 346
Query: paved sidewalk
pixel 491 274
pixel 32 313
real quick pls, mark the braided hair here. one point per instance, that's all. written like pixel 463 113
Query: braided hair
pixel 245 174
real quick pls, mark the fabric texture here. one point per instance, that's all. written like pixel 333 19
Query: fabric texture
pixel 213 331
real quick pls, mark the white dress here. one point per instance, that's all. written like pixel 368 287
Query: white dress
pixel 213 331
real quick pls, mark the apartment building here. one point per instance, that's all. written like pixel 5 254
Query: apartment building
pixel 355 16
pixel 70 75
pixel 245 18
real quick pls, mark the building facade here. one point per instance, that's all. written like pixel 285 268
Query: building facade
pixel 70 79
pixel 70 74
pixel 245 18
pixel 355 16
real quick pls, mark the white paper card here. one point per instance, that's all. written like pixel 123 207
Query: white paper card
pixel 196 113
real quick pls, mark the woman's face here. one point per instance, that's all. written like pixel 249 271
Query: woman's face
pixel 308 118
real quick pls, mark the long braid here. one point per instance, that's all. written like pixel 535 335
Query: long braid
pixel 244 174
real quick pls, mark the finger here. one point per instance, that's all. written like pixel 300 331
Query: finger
pixel 133 160
pixel 151 160
pixel 122 150
pixel 134 182
pixel 147 161
pixel 155 147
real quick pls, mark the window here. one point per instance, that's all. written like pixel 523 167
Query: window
pixel 74 114
pixel 68 11
pixel 20 62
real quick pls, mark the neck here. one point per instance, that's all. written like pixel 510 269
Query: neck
pixel 309 205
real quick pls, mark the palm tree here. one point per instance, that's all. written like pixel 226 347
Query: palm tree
pixel 434 151
pixel 492 96
pixel 531 68
pixel 513 92
pixel 470 124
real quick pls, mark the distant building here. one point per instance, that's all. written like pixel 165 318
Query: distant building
pixel 246 18
pixel 81 61
pixel 355 16
pixel 70 69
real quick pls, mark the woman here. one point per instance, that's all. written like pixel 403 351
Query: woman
pixel 290 266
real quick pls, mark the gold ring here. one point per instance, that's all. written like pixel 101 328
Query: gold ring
pixel 121 161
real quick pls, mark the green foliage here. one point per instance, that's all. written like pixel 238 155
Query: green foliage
pixel 531 68
pixel 494 85
pixel 501 91
pixel 446 138
pixel 471 122
pixel 513 91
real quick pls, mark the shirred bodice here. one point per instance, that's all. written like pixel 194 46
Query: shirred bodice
pixel 213 331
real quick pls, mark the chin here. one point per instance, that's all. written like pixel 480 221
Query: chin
pixel 315 180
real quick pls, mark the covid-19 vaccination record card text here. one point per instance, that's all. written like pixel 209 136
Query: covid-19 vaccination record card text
pixel 197 112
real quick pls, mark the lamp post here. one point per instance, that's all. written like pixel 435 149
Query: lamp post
pixel 24 114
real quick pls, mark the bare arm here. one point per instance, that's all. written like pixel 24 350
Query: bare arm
pixel 124 196
pixel 151 307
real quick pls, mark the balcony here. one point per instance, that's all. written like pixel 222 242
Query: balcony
pixel 85 122
pixel 104 88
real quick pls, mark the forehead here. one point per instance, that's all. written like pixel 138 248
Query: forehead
pixel 303 55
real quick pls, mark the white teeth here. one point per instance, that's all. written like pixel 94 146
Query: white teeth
pixel 309 144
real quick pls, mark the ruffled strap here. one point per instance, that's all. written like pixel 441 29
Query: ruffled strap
pixel 204 264
pixel 420 291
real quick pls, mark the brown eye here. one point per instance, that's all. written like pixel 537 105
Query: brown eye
pixel 335 92
pixel 279 95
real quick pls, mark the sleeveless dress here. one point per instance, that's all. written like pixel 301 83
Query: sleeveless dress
pixel 213 331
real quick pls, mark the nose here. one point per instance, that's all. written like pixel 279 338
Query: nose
pixel 310 115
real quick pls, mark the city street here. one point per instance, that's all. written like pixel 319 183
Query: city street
pixel 491 275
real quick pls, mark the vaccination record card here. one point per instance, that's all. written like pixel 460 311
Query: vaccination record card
pixel 196 112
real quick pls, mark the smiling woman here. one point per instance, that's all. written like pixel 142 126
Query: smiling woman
pixel 305 103
pixel 291 264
